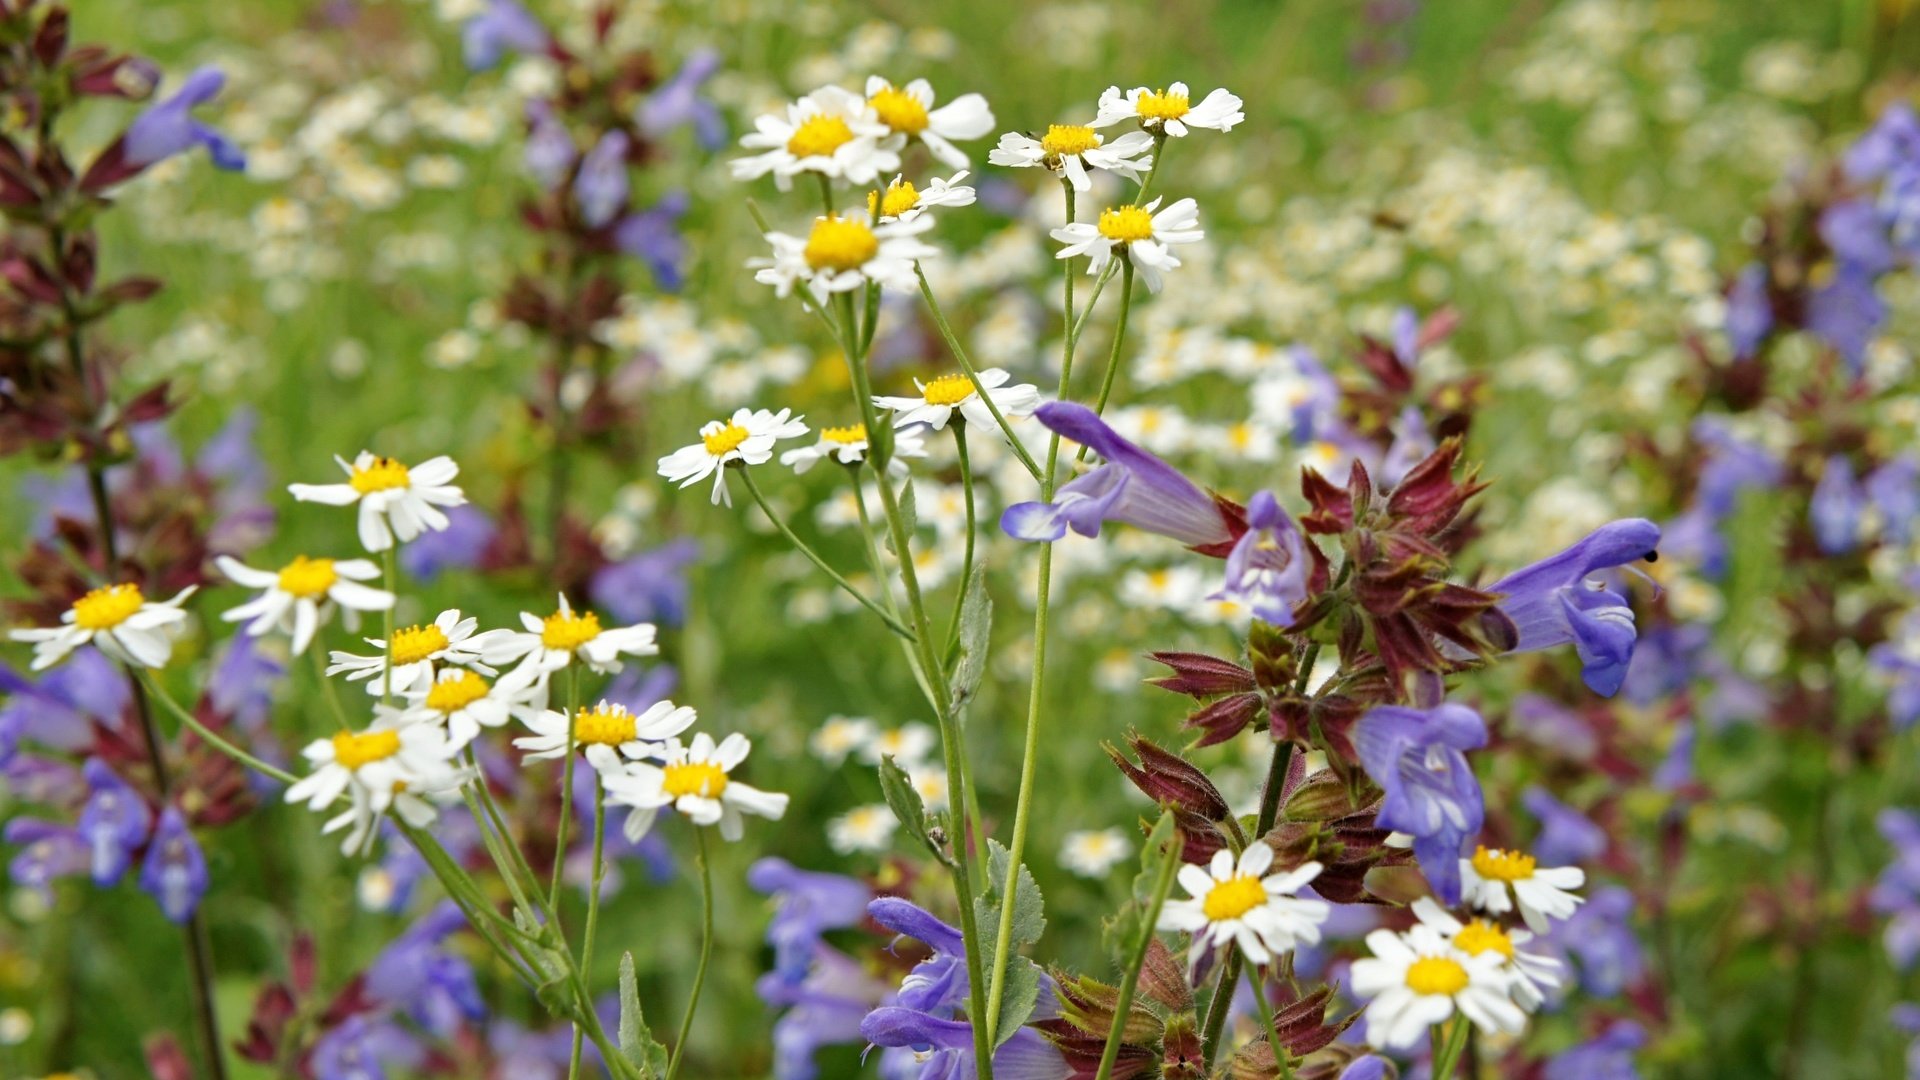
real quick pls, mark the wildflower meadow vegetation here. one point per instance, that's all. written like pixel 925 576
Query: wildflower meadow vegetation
pixel 1080 539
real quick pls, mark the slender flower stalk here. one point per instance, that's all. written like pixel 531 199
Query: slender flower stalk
pixel 706 951
pixel 1123 1005
pixel 593 901
pixel 779 523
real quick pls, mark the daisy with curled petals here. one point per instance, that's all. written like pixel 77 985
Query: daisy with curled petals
pixel 298 597
pixel 552 643
pixel 448 639
pixel 463 701
pixel 395 501
pixel 1143 235
pixel 848 446
pixel 901 201
pixel 1497 881
pixel 1069 150
pixel 746 438
pixel 832 131
pixel 908 111
pixel 694 780
pixel 841 254
pixel 608 733
pixel 1418 979
pixel 940 398
pixel 1241 904
pixel 118 620
pixel 1532 975
pixel 389 766
pixel 1171 110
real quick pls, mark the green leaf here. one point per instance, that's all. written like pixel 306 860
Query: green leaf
pixel 1029 908
pixel 636 1041
pixel 909 513
pixel 1021 990
pixel 904 800
pixel 976 625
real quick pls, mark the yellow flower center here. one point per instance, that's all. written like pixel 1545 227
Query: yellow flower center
pixel 1479 936
pixel 694 778
pixel 353 751
pixel 1233 898
pixel 307 578
pixel 384 474
pixel 901 197
pixel 1125 224
pixel 900 110
pixel 571 629
pixel 1498 865
pixel 607 725
pixel 838 243
pixel 107 607
pixel 724 440
pixel 1065 140
pixel 1160 105
pixel 1436 975
pixel 947 390
pixel 845 436
pixel 819 137
pixel 417 643
pixel 452 695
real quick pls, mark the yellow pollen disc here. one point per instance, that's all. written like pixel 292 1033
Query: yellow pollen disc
pixel 569 629
pixel 695 778
pixel 107 607
pixel 1436 975
pixel 819 137
pixel 1233 898
pixel 1479 936
pixel 417 643
pixel 608 725
pixel 1498 865
pixel 1159 105
pixel 901 197
pixel 1125 224
pixel 838 243
pixel 900 110
pixel 724 440
pixel 353 751
pixel 947 390
pixel 452 695
pixel 845 436
pixel 307 578
pixel 1065 140
pixel 384 474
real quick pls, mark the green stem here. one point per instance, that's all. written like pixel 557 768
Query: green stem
pixel 327 689
pixel 1443 1065
pixel 566 787
pixel 706 951
pixel 210 737
pixel 593 906
pixel 1123 1006
pixel 966 562
pixel 1281 1059
pixel 1119 340
pixel 392 576
pixel 1269 810
pixel 893 624
pixel 973 375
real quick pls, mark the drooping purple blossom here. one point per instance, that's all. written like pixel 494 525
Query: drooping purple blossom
pixel 48 852
pixel 1892 143
pixel 1858 237
pixel 1567 837
pixel 1557 601
pixel 1846 313
pixel 648 587
pixel 1733 464
pixel 653 236
pixel 175 871
pixel 550 152
pixel 503 28
pixel 1418 757
pixel 1131 486
pixel 59 708
pixel 364 1048
pixel 113 822
pixel 1599 936
pixel 1749 315
pixel 824 1008
pixel 243 681
pixel 937 984
pixel 419 975
pixel 1268 567
pixel 460 546
pixel 601 186
pixel 1835 507
pixel 169 128
pixel 1606 1057
pixel 677 102
pixel 810 903
pixel 946 1046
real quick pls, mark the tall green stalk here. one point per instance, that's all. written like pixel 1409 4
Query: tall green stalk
pixel 706 952
pixel 1123 1005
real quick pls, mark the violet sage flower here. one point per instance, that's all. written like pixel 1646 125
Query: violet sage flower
pixel 1749 316
pixel 113 821
pixel 175 872
pixel 1557 601
pixel 823 1009
pixel 1418 757
pixel 600 188
pixel 48 852
pixel 1608 1056
pixel 550 152
pixel 945 1047
pixel 677 101
pixel 169 128
pixel 810 903
pixel 1835 507
pixel 504 27
pixel 1268 567
pixel 1567 837
pixel 653 237
pixel 1131 486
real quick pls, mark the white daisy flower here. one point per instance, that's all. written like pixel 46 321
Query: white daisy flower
pixel 462 701
pixel 901 201
pixel 1145 237
pixel 118 620
pixel 1241 904
pixel 389 766
pixel 831 131
pixel 941 397
pixel 607 733
pixel 848 446
pixel 1092 853
pixel 842 254
pixel 1540 893
pixel 395 501
pixel 839 736
pixel 1069 150
pixel 908 745
pixel 1532 974
pixel 1418 979
pixel 549 644
pixel 908 112
pixel 863 828
pixel 298 598
pixel 1170 110
pixel 693 780
pixel 747 438
pixel 448 639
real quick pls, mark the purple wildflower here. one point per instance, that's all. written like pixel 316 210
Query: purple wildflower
pixel 169 128
pixel 1846 312
pixel 1599 935
pixel 1418 758
pixel 1894 490
pixel 175 873
pixel 1556 601
pixel 648 587
pixel 1370 1067
pixel 1607 1057
pixel 504 27
pixel 939 983
pixel 60 708
pixel 1567 837
pixel 48 852
pixel 810 903
pixel 364 1049
pixel 601 186
pixel 677 101
pixel 1892 142
pixel 462 545
pixel 653 237
pixel 1411 445
pixel 1268 566
pixel 550 152
pixel 947 1046
pixel 823 1009
pixel 418 973
pixel 1835 507
pixel 1749 311
pixel 113 821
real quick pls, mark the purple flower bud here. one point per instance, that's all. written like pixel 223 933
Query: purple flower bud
pixel 1418 758
pixel 550 151
pixel 1749 311
pixel 1835 507
pixel 175 873
pixel 600 188
pixel 1268 566
pixel 940 981
pixel 169 128
pixel 678 102
pixel 1553 602
pixel 809 905
pixel 113 822
pixel 653 237
pixel 504 27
